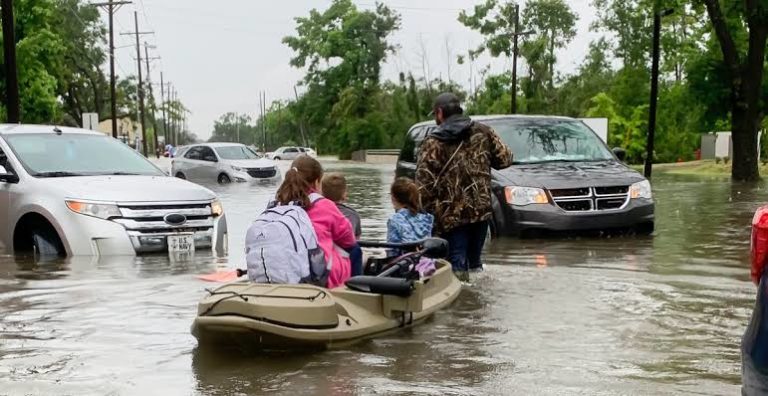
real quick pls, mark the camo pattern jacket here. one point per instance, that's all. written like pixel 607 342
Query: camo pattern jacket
pixel 459 192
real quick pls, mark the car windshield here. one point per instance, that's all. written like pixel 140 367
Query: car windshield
pixel 51 155
pixel 236 153
pixel 550 140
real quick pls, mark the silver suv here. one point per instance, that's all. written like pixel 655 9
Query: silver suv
pixel 66 191
pixel 223 162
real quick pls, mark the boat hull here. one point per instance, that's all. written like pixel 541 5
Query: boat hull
pixel 309 317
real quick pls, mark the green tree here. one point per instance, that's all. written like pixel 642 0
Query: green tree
pixel 343 49
pixel 39 51
pixel 82 85
pixel 745 68
pixel 554 23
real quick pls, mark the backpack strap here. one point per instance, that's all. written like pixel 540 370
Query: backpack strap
pixel 314 197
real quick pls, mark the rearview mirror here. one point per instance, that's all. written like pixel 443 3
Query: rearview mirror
pixel 210 158
pixel 7 177
pixel 620 153
pixel 435 248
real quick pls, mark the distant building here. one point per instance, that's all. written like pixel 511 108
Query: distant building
pixel 126 129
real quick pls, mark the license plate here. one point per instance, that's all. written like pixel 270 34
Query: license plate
pixel 181 243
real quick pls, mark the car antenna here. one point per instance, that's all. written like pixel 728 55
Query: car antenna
pixel 57 130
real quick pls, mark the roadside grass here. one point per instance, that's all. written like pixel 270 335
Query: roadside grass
pixel 702 168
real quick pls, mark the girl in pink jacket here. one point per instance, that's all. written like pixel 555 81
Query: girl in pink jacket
pixel 334 233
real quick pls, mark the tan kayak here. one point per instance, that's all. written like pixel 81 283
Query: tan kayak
pixel 269 316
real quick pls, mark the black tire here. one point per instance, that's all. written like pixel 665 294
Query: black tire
pixel 645 229
pixel 277 159
pixel 46 244
pixel 180 176
pixel 224 179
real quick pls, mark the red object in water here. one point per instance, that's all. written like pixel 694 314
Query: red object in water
pixel 759 243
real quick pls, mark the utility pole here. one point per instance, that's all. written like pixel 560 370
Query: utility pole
pixel 175 118
pixel 162 106
pixel 517 33
pixel 263 102
pixel 137 33
pixel 151 94
pixel 301 120
pixel 11 75
pixel 112 7
pixel 654 89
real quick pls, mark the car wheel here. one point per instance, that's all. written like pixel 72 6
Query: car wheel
pixel 276 158
pixel 224 179
pixel 181 176
pixel 45 243
pixel 645 228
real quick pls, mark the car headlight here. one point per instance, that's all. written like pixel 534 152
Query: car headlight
pixel 102 211
pixel 216 208
pixel 237 169
pixel 641 190
pixel 521 196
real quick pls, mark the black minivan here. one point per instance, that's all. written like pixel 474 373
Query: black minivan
pixel 564 178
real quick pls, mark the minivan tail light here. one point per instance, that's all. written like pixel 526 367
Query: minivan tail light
pixel 759 243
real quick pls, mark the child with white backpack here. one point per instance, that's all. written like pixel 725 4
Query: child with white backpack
pixel 295 240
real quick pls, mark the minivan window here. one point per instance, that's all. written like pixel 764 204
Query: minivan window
pixel 236 153
pixel 291 150
pixel 51 155
pixel 410 152
pixel 538 140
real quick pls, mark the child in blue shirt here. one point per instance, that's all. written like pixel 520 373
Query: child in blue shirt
pixel 409 223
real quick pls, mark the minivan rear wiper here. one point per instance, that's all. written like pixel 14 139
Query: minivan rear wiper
pixel 58 174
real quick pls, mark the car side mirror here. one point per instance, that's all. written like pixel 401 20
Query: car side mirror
pixel 210 159
pixel 7 177
pixel 620 153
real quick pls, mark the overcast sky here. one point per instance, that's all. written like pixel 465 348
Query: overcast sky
pixel 220 54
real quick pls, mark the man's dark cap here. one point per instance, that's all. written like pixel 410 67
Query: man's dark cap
pixel 445 100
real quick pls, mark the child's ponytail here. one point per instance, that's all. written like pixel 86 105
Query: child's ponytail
pixel 406 193
pixel 304 172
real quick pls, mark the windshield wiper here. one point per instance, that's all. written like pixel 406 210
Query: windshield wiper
pixel 59 174
pixel 562 160
pixel 121 174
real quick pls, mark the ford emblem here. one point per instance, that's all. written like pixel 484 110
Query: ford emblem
pixel 175 219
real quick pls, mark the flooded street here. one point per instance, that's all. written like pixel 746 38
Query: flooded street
pixel 628 315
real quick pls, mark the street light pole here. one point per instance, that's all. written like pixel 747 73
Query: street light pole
pixel 654 89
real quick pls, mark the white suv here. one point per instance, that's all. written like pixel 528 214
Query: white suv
pixel 66 191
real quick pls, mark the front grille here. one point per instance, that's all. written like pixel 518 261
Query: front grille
pixel 262 173
pixel 591 198
pixel 575 206
pixel 611 190
pixel 148 218
pixel 570 192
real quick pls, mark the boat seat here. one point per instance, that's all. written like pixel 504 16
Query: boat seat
pixel 377 285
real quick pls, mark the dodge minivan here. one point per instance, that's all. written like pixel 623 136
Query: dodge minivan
pixel 564 178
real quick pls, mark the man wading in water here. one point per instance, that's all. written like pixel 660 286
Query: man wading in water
pixel 453 173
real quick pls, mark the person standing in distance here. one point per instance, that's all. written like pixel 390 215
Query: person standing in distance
pixel 453 173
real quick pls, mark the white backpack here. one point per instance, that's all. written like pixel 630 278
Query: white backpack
pixel 281 247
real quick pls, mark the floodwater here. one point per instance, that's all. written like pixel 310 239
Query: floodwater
pixel 593 316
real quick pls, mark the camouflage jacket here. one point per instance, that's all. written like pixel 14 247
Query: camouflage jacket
pixel 458 191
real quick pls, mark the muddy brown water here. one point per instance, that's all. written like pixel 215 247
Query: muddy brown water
pixel 584 316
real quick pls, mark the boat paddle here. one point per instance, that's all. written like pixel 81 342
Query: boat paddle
pixel 223 276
